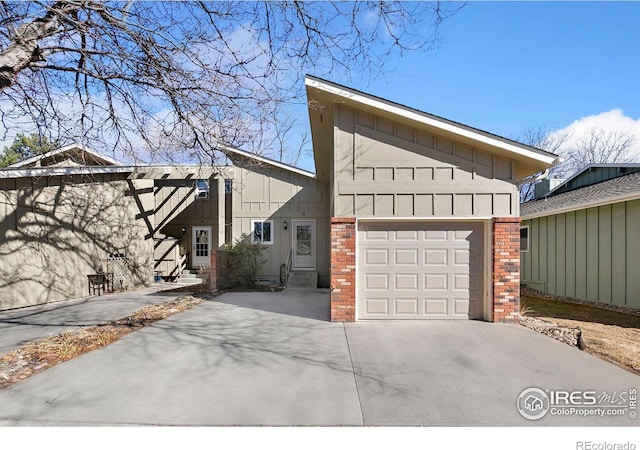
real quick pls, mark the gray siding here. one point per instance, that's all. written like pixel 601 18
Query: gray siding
pixel 262 192
pixel 56 230
pixel 591 254
pixel 386 169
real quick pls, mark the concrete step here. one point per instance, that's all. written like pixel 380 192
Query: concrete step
pixel 303 279
pixel 189 277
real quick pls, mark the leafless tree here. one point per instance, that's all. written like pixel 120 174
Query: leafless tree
pixel 543 138
pixel 598 146
pixel 175 77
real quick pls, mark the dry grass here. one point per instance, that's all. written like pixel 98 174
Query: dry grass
pixel 610 335
pixel 36 356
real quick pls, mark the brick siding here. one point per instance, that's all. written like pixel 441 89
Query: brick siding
pixel 506 269
pixel 343 269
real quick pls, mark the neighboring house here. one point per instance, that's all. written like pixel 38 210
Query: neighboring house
pixel 581 239
pixel 408 216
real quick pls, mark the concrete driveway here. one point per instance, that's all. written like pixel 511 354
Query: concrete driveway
pixel 274 359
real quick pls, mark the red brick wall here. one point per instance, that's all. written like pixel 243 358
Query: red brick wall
pixel 343 269
pixel 506 269
pixel 218 270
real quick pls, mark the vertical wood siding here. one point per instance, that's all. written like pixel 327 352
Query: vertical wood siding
pixel 591 254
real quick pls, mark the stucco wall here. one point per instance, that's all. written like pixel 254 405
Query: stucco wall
pixel 263 192
pixel 591 254
pixel 389 169
pixel 56 230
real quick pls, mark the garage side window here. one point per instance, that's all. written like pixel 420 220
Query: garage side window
pixel 262 232
pixel 524 239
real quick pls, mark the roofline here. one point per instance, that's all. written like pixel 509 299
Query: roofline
pixel 584 169
pixel 64 149
pixel 591 204
pixel 90 170
pixel 57 171
pixel 225 148
pixel 431 120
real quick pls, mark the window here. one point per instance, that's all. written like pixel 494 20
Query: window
pixel 202 189
pixel 524 239
pixel 262 232
pixel 228 185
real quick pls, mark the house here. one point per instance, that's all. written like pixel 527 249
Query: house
pixel 581 239
pixel 408 215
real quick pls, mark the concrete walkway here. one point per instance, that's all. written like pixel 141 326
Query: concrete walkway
pixel 274 359
pixel 26 324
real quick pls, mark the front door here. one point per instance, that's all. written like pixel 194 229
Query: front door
pixel 201 246
pixel 304 244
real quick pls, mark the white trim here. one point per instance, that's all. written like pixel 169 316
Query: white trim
pixel 488 272
pixel 193 246
pixel 62 150
pixel 592 204
pixel 427 120
pixel 58 171
pixel 226 148
pixel 253 222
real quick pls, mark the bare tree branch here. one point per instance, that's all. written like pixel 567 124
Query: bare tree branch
pixel 174 78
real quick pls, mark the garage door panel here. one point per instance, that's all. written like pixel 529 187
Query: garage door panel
pixel 406 257
pixel 436 308
pixel 461 282
pixel 377 307
pixel 376 235
pixel 461 308
pixel 406 307
pixel 435 235
pixel 376 281
pixel 436 282
pixel 461 257
pixel 376 257
pixel 435 257
pixel 440 262
pixel 406 235
pixel 406 281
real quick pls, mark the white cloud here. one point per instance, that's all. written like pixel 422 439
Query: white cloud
pixel 610 120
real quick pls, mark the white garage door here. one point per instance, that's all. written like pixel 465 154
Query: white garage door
pixel 419 271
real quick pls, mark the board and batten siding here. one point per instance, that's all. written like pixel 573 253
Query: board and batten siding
pixel 591 254
pixel 384 168
pixel 264 192
pixel 54 230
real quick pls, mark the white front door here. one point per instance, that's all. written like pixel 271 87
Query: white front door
pixel 201 247
pixel 304 244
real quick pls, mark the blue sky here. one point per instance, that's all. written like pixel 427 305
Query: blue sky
pixel 507 66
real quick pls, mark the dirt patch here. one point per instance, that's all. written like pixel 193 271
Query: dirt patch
pixel 612 335
pixel 37 356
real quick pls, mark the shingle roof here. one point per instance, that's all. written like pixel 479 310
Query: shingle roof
pixel 606 191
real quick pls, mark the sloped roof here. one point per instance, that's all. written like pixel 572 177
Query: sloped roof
pixel 562 187
pixel 322 94
pixel 240 155
pixel 626 187
pixel 69 156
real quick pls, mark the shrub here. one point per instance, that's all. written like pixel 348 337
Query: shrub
pixel 244 259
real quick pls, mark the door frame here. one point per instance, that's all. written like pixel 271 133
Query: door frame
pixel 194 263
pixel 314 255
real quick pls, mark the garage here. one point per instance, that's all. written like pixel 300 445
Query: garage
pixel 420 270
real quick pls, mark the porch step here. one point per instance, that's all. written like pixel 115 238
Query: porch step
pixel 303 279
pixel 189 277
